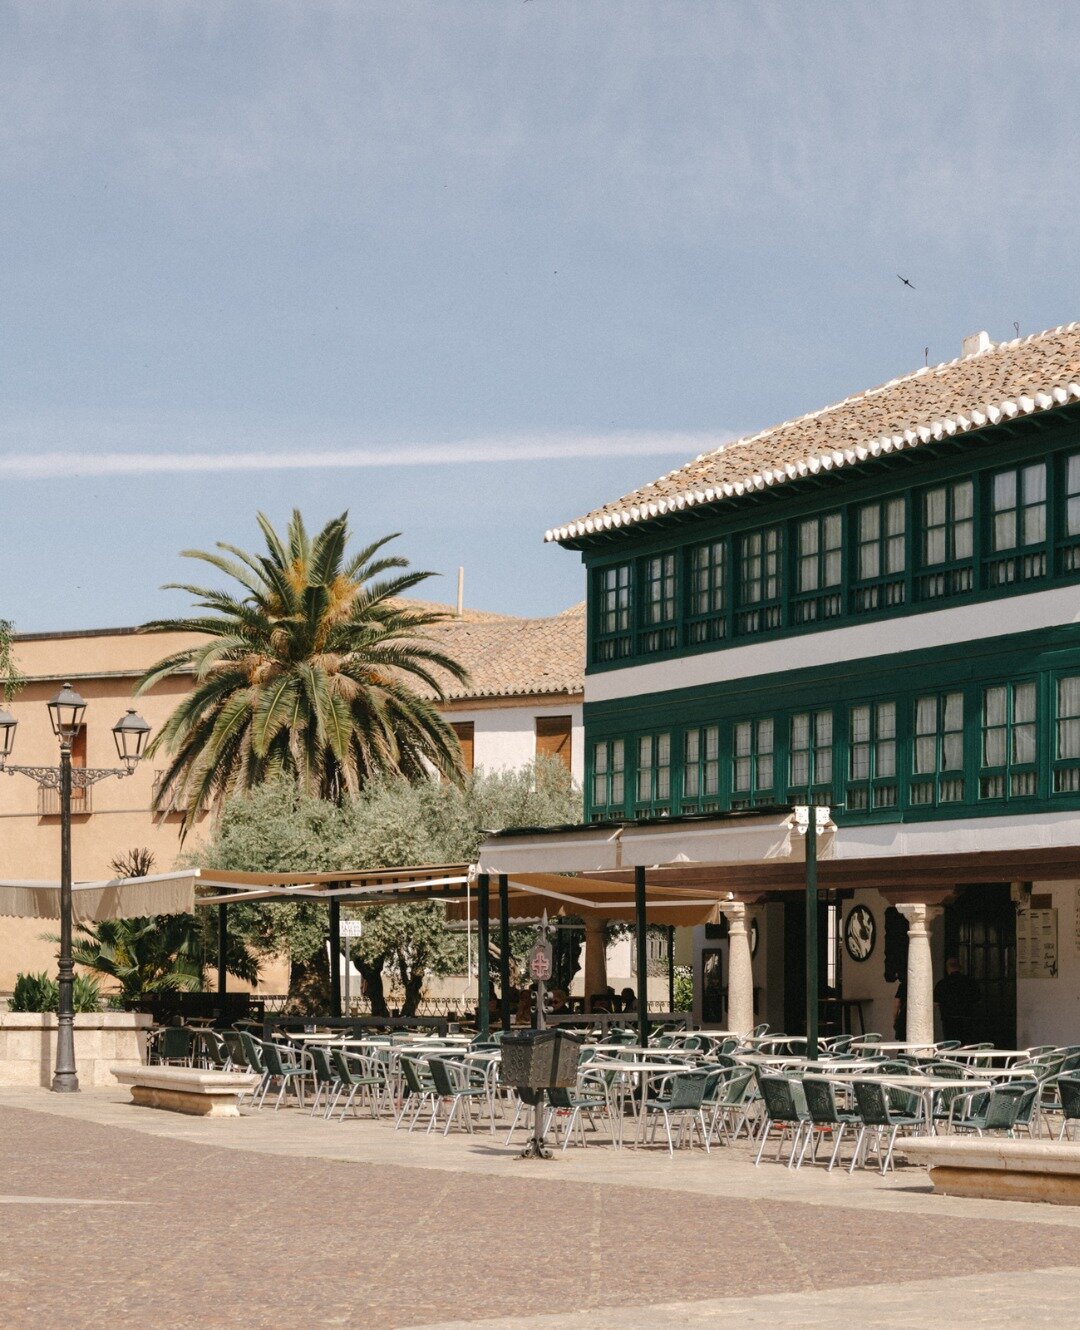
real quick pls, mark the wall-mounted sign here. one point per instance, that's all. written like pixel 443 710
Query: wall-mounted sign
pixel 1036 944
pixel 860 933
pixel 540 961
pixel 351 928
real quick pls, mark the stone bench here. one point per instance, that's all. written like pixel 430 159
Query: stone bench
pixel 999 1168
pixel 193 1090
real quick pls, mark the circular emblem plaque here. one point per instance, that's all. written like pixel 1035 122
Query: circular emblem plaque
pixel 860 933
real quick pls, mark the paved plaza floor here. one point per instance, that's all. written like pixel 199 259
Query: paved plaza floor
pixel 121 1216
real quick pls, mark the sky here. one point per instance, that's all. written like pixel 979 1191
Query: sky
pixel 468 268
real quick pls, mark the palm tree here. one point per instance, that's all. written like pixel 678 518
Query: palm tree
pixel 308 673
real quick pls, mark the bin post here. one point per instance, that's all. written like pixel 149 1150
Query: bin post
pixel 483 929
pixel 504 951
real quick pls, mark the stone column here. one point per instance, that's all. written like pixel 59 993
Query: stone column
pixel 595 958
pixel 740 980
pixel 920 972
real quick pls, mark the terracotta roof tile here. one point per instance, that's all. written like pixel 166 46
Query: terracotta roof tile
pixel 512 657
pixel 1010 379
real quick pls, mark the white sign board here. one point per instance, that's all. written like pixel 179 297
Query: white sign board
pixel 351 928
pixel 1036 944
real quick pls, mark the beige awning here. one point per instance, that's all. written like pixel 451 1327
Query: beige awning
pixel 528 894
pixel 115 898
pixel 750 837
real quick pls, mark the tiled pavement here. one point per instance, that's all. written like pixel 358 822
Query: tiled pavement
pixel 116 1216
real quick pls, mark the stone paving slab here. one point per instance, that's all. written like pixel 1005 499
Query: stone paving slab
pixel 257 1222
pixel 1020 1302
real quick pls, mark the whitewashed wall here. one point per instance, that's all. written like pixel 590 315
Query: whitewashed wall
pixel 1048 1010
pixel 504 738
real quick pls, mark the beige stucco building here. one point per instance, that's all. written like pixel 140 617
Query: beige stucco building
pixel 524 696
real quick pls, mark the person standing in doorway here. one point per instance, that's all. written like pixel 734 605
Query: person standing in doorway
pixel 957 996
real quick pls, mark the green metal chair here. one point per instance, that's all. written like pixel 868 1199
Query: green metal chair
pixel 826 1115
pixel 419 1089
pixel 726 1091
pixel 358 1075
pixel 786 1108
pixel 175 1046
pixel 280 1067
pixel 1069 1090
pixel 586 1100
pixel 451 1082
pixel 995 1109
pixel 881 1114
pixel 325 1079
pixel 684 1102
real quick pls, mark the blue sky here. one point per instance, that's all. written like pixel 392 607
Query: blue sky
pixel 469 268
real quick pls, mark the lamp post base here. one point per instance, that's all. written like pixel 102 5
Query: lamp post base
pixel 65 1082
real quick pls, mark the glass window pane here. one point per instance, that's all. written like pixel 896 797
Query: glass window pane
pixel 860 762
pixel 886 720
pixel 800 768
pixel 994 706
pixel 1023 702
pixel 742 738
pixel 1068 738
pixel 962 500
pixel 962 538
pixel 800 730
pixel 954 711
pixel 993 748
pixel 765 772
pixel 886 758
pixel 935 545
pixel 925 754
pixel 926 715
pixel 1034 483
pixel 869 522
pixel 952 752
pixel 823 728
pixel 934 507
pixel 1035 524
pixel 1005 491
pixel 894 517
pixel 869 561
pixel 1023 744
pixel 765 736
pixel 1068 696
pixel 1005 531
pixel 860 724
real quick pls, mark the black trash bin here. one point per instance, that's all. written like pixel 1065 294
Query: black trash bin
pixel 535 1060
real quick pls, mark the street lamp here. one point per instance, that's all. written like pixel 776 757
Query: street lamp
pixel 66 712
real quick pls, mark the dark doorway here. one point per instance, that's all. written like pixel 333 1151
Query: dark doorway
pixel 795 967
pixel 980 931
pixel 713 993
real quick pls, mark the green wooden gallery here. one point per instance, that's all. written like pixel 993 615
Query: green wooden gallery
pixel 874 608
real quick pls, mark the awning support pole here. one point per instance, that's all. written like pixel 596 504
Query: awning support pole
pixel 671 968
pixel 335 956
pixel 504 951
pixel 642 956
pixel 811 937
pixel 222 948
pixel 483 940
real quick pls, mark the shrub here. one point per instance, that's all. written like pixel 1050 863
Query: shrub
pixel 40 992
pixel 35 992
pixel 684 988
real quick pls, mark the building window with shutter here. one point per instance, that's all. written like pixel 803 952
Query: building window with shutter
pixel 937 761
pixel 609 779
pixel 1009 742
pixel 466 734
pixel 553 738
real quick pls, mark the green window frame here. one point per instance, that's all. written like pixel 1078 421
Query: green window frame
pixel 1069 555
pixel 872 751
pixel 1009 752
pixel 609 779
pixel 708 593
pixel 658 595
pixel 937 749
pixel 760 580
pixel 880 533
pixel 948 539
pixel 1066 760
pixel 810 757
pixel 819 568
pixel 653 775
pixel 753 762
pixel 1016 525
pixel 613 619
pixel 701 769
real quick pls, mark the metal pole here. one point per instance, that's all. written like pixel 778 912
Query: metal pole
pixel 222 949
pixel 811 938
pixel 65 1081
pixel 671 968
pixel 504 950
pixel 483 974
pixel 335 956
pixel 642 957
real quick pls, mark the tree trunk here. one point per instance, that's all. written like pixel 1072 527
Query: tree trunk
pixel 372 975
pixel 309 984
pixel 412 981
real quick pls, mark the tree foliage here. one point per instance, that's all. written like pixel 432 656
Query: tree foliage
pixel 11 677
pixel 314 669
pixel 392 823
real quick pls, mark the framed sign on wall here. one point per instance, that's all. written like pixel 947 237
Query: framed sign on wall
pixel 860 933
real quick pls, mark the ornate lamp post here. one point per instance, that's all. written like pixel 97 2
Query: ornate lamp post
pixel 131 732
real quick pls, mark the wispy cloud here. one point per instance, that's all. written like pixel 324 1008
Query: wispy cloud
pixel 45 465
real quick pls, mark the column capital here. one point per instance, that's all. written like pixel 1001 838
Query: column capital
pixel 919 914
pixel 736 913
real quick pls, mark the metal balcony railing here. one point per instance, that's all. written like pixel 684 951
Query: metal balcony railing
pixel 82 801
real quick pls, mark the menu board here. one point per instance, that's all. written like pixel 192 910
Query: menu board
pixel 1036 944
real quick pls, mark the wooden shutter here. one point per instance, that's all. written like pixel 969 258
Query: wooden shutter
pixel 553 738
pixel 464 729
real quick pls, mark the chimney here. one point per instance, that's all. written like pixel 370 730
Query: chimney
pixel 460 591
pixel 976 344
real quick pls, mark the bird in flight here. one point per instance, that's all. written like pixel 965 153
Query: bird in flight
pixel 906 282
